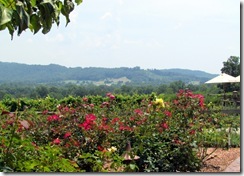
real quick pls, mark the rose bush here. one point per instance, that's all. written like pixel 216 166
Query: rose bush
pixel 81 134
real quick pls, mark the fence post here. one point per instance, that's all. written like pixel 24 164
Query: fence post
pixel 229 136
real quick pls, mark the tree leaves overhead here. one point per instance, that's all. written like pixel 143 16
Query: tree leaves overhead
pixel 19 15
pixel 232 66
pixel 68 7
pixel 5 15
pixel 47 11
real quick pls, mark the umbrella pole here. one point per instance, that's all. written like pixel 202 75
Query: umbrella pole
pixel 224 97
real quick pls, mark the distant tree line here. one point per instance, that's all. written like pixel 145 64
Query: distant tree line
pixel 142 85
pixel 15 90
pixel 14 72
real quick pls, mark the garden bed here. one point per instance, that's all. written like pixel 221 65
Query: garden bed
pixel 93 134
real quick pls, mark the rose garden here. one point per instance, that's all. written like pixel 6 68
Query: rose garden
pixel 114 133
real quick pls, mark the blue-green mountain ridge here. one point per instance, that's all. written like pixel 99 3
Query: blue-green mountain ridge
pixel 53 73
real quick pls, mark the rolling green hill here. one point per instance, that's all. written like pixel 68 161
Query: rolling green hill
pixel 16 72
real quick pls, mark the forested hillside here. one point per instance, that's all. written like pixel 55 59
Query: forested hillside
pixel 15 72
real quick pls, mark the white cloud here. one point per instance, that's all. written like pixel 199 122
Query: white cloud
pixel 178 25
pixel 144 43
pixel 121 2
pixel 154 44
pixel 30 40
pixel 56 38
pixel 106 16
pixel 132 42
pixel 73 17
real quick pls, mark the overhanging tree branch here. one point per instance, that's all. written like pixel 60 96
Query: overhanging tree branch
pixel 19 15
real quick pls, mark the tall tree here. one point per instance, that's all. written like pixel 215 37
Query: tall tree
pixel 177 85
pixel 19 15
pixel 232 66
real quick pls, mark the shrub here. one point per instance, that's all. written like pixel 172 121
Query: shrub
pixel 80 133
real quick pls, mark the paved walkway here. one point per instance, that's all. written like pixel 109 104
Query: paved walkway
pixel 235 166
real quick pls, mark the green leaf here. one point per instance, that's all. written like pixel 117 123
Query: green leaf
pixel 8 3
pixel 78 2
pixel 3 27
pixel 5 15
pixel 10 29
pixel 66 9
pixel 23 17
pixel 6 169
pixel 35 23
pixel 47 14
pixel 46 169
pixel 33 3
pixel 132 166
pixel 57 11
pixel 18 14
pixel 30 165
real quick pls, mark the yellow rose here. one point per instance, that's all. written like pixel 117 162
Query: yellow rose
pixel 160 101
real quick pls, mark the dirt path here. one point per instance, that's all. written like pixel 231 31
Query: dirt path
pixel 220 159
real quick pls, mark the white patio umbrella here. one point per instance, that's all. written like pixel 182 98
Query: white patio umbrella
pixel 222 78
pixel 238 79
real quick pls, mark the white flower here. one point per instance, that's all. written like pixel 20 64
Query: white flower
pixel 112 149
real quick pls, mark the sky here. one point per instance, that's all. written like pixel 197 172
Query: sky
pixel 155 34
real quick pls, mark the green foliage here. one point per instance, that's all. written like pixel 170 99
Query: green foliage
pixel 63 91
pixel 91 133
pixel 20 153
pixel 174 149
pixel 101 161
pixel 49 159
pixel 33 14
pixel 232 66
pixel 159 154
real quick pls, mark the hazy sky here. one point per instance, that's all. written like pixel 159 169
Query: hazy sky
pixel 161 34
